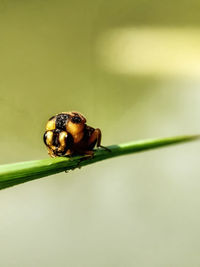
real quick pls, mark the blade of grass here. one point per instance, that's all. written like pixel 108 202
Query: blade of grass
pixel 17 173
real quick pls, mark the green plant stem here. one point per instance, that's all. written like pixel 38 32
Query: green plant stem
pixel 17 173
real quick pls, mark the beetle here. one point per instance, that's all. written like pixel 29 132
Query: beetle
pixel 68 134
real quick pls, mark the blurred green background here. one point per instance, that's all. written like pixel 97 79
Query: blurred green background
pixel 133 69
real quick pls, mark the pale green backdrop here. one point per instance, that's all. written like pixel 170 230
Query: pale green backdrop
pixel 133 69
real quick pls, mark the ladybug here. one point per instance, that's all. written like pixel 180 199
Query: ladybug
pixel 68 134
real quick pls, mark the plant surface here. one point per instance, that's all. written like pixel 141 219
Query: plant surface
pixel 17 173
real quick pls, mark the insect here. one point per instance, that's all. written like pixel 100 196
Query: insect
pixel 67 134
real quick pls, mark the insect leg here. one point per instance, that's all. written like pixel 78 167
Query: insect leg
pixel 96 136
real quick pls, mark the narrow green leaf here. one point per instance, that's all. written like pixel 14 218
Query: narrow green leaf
pixel 17 173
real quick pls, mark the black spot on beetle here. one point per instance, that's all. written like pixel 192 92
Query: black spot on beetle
pixel 61 120
pixel 55 140
pixel 76 119
pixel 68 141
